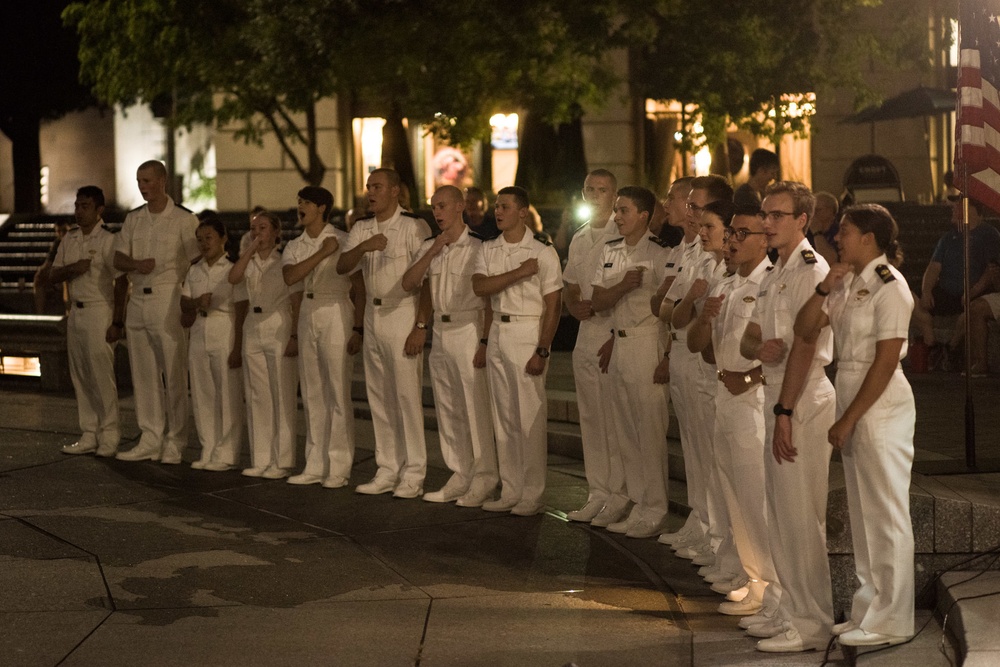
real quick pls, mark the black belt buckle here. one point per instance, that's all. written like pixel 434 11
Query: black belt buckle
pixel 376 301
pixel 147 290
pixel 79 304
pixel 505 318
pixel 446 318
pixel 622 334
pixel 258 309
pixel 309 295
pixel 203 313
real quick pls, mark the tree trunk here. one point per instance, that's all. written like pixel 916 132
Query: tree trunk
pixel 23 134
pixel 396 152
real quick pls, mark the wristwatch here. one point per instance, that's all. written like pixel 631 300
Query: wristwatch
pixel 542 352
pixel 780 409
pixel 421 325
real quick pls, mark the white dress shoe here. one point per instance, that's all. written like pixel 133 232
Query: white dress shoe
pixel 79 448
pixel 140 452
pixel 765 615
pixel 199 464
pixel 170 459
pixel 377 486
pixel 475 497
pixel 500 505
pixel 303 479
pixel 767 630
pixel 859 637
pixel 407 490
pixel 622 527
pixel 527 508
pixel 275 473
pixel 738 594
pixel 789 642
pixel 217 466
pixel 613 512
pixel 718 576
pixel 334 482
pixel 704 557
pixel 253 472
pixel 706 570
pixel 450 492
pixel 674 538
pixel 745 607
pixel 841 628
pixel 727 587
pixel 586 513
pixel 643 528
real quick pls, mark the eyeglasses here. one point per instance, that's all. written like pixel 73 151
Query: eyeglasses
pixel 774 216
pixel 694 208
pixel 742 233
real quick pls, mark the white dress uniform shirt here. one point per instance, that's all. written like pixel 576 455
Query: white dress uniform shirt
pixel 157 344
pixel 874 306
pixel 91 359
pixel 393 379
pixel 326 318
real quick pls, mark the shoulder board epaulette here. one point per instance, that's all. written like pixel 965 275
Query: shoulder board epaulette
pixel 542 238
pixel 433 236
pixel 617 240
pixel 658 241
pixel 884 273
pixel 184 208
pixel 809 256
pixel 410 214
pixel 476 235
pixel 770 268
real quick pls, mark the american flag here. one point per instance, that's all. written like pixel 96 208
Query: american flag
pixel 977 144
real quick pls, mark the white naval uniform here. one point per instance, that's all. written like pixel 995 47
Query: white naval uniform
pixel 685 369
pixel 216 389
pixel 797 492
pixel 393 379
pixel 738 440
pixel 640 405
pixel 326 319
pixel 876 305
pixel 91 358
pixel 270 378
pixel 461 393
pixel 157 344
pixel 518 400
pixel 601 455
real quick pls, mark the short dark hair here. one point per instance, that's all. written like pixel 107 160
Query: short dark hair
pixel 215 222
pixel 93 193
pixel 747 208
pixel 644 199
pixel 715 187
pixel 803 200
pixel 318 196
pixel 722 208
pixel 519 194
pixel 875 219
pixel 391 174
pixel 604 173
pixel 762 158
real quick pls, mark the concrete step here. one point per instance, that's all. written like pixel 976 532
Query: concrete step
pixel 967 603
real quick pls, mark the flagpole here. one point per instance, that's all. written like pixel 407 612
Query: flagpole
pixel 970 408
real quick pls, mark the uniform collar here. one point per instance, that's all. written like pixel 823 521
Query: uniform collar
pixel 869 271
pixel 796 257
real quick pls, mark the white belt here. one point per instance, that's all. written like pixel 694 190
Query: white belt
pixel 391 303
pixel 504 318
pixel 638 332
pixel 460 317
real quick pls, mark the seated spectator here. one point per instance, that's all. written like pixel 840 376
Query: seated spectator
pixel 983 309
pixel 764 168
pixel 943 286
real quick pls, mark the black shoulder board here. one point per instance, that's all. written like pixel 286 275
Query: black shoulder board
pixel 410 214
pixel 433 236
pixel 884 273
pixel 621 238
pixel 770 268
pixel 808 256
pixel 543 238
pixel 476 235
pixel 658 241
pixel 183 208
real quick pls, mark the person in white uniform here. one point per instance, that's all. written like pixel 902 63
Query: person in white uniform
pixel 385 244
pixel 869 309
pixel 799 407
pixel 601 456
pixel 155 247
pixel 97 296
pixel 739 419
pixel 215 351
pixel 521 275
pixel 632 267
pixel 458 354
pixel 270 345
pixel 326 321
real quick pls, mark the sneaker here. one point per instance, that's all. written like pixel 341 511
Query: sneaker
pixel 377 486
pixel 588 512
pixel 304 480
pixel 334 482
pixel 79 448
pixel 408 490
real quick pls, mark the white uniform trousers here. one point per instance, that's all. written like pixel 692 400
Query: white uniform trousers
pixel 796 509
pixel 270 383
pixel 92 370
pixel 325 379
pixel 395 393
pixel 462 402
pixel 641 420
pixel 685 369
pixel 739 451
pixel 877 464
pixel 520 410
pixel 216 395
pixel 157 349
pixel 602 459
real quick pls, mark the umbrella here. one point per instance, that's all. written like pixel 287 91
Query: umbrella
pixel 913 103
